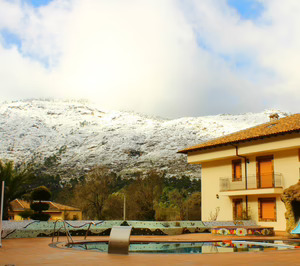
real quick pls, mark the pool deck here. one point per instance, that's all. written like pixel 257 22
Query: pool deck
pixel 36 251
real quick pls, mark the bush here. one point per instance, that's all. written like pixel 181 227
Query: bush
pixel 39 206
pixel 26 214
pixel 40 216
pixel 41 193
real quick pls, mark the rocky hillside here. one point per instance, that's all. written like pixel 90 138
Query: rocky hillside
pixel 70 137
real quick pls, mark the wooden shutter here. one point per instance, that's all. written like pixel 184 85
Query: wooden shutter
pixel 236 170
pixel 268 209
pixel 239 209
pixel 265 171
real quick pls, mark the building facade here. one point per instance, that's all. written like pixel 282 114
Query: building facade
pixel 245 173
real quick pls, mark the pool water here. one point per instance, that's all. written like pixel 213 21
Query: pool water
pixel 190 248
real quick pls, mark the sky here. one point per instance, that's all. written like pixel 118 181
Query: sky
pixel 170 58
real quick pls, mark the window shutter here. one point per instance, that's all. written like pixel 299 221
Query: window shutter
pixel 268 210
pixel 238 171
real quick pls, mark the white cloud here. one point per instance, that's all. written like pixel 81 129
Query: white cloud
pixel 10 14
pixel 21 77
pixel 170 58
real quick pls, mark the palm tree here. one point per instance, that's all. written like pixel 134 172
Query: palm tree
pixel 17 180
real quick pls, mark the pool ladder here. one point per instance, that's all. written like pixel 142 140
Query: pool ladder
pixel 69 237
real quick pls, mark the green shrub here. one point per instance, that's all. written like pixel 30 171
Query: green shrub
pixel 26 214
pixel 41 193
pixel 38 195
pixel 40 216
pixel 39 206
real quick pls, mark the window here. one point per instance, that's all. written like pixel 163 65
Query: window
pixel 237 170
pixel 267 209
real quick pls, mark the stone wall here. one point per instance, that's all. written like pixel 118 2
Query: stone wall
pixel 290 195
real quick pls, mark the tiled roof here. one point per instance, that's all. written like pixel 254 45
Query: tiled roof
pixel 58 206
pixel 19 205
pixel 281 126
pixel 22 205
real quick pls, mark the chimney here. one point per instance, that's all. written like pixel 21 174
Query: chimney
pixel 274 117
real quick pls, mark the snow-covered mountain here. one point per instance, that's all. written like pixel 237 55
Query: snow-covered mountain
pixel 76 135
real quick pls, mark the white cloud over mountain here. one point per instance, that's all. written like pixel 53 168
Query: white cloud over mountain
pixel 169 58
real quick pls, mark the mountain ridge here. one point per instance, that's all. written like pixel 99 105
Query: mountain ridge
pixel 74 136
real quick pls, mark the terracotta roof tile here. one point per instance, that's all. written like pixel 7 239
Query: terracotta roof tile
pixel 281 126
pixel 21 205
pixel 59 206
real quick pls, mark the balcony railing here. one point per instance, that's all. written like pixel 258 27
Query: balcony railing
pixel 253 182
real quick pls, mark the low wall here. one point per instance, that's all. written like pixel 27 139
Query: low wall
pixel 29 229
pixel 243 231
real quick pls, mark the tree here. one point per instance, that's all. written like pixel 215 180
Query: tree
pixel 143 194
pixel 166 212
pixel 178 205
pixel 113 207
pixel 172 205
pixel 183 183
pixel 38 195
pixel 17 180
pixel 177 199
pixel 52 182
pixel 90 196
pixel 193 207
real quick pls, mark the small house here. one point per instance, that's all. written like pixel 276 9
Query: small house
pixel 56 210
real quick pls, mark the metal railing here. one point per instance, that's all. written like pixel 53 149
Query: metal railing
pixel 253 182
pixel 68 235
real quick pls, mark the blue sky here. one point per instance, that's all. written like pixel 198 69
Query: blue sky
pixel 170 58
pixel 10 39
pixel 37 3
pixel 248 9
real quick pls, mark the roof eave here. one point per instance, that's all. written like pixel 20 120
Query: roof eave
pixel 186 151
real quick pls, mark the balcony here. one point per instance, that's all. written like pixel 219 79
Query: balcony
pixel 255 185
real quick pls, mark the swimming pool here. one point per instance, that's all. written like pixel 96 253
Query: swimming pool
pixel 191 247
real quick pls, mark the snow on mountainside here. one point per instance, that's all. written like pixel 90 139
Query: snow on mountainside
pixel 80 135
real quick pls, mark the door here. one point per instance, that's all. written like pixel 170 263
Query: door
pixel 265 172
pixel 237 209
